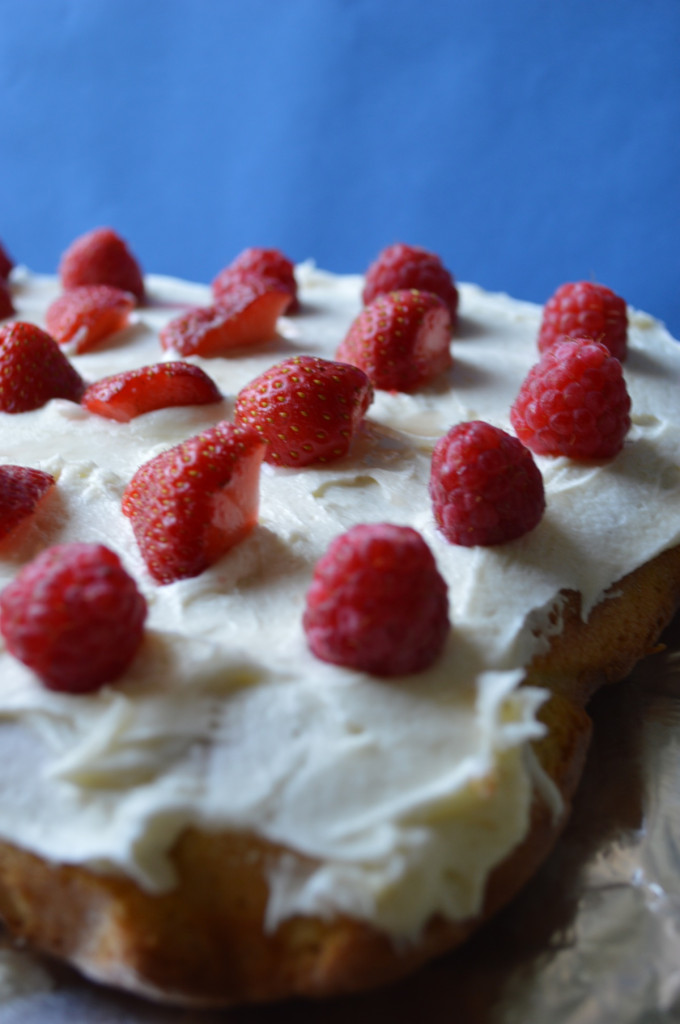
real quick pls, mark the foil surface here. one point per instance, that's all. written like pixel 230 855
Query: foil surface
pixel 594 937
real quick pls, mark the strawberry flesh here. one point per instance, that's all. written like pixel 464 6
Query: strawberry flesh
pixel 124 396
pixel 88 314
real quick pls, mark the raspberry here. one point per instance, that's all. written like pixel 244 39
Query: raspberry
pixel 573 402
pixel 401 340
pixel 585 310
pixel 377 602
pixel 265 264
pixel 485 486
pixel 21 491
pixel 402 266
pixel 88 314
pixel 307 409
pixel 123 396
pixel 101 257
pixel 6 304
pixel 74 616
pixel 6 264
pixel 33 369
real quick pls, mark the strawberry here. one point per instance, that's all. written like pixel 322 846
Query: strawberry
pixel 192 503
pixel 6 304
pixel 21 491
pixel 246 315
pixel 402 266
pixel 6 264
pixel 265 264
pixel 101 257
pixel 401 340
pixel 87 314
pixel 33 369
pixel 135 392
pixel 306 408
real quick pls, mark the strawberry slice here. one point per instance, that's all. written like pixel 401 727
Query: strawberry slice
pixel 307 409
pixel 88 314
pixel 401 340
pixel 6 304
pixel 132 393
pixel 101 257
pixel 192 503
pixel 6 264
pixel 265 264
pixel 21 491
pixel 245 315
pixel 33 369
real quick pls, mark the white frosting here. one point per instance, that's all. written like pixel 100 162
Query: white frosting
pixel 402 794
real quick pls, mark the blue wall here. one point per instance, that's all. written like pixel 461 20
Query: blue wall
pixel 528 142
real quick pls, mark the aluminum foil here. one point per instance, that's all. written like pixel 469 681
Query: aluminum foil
pixel 594 938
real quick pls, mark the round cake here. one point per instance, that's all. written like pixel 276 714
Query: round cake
pixel 235 819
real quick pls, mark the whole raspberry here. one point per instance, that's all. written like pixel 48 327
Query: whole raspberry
pixel 74 616
pixel 377 602
pixel 573 402
pixel 585 310
pixel 101 257
pixel 485 486
pixel 264 264
pixel 401 266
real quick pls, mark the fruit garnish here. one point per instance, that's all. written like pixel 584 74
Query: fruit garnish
pixel 485 486
pixel 265 264
pixel 401 340
pixel 74 616
pixel 573 402
pixel 6 264
pixel 6 304
pixel 307 409
pixel 246 315
pixel 401 266
pixel 585 310
pixel 88 314
pixel 33 369
pixel 377 602
pixel 21 491
pixel 123 396
pixel 189 505
pixel 101 257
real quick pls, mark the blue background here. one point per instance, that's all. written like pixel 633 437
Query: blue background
pixel 528 143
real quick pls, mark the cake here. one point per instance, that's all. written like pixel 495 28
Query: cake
pixel 236 820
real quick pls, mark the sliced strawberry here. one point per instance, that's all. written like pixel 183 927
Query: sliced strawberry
pixel 88 314
pixel 6 304
pixel 246 315
pixel 307 409
pixel 101 257
pixel 21 491
pixel 191 504
pixel 135 392
pixel 33 369
pixel 401 340
pixel 6 264
pixel 266 264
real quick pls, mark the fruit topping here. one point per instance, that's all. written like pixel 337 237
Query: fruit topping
pixel 6 264
pixel 401 340
pixel 6 304
pixel 21 491
pixel 88 314
pixel 585 310
pixel 485 486
pixel 74 616
pixel 307 409
pixel 265 264
pixel 402 266
pixel 192 503
pixel 573 402
pixel 246 315
pixel 33 369
pixel 132 393
pixel 377 602
pixel 101 257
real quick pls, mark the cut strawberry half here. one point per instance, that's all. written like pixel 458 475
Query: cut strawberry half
pixel 188 506
pixel 21 491
pixel 87 315
pixel 245 315
pixel 124 396
pixel 33 369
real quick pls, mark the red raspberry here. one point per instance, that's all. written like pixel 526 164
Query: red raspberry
pixel 132 393
pixel 377 602
pixel 6 304
pixel 33 369
pixel 585 310
pixel 6 264
pixel 88 314
pixel 402 266
pixel 402 340
pixel 485 486
pixel 266 264
pixel 573 402
pixel 21 491
pixel 307 409
pixel 101 257
pixel 74 616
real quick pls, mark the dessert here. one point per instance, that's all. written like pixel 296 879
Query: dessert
pixel 236 819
